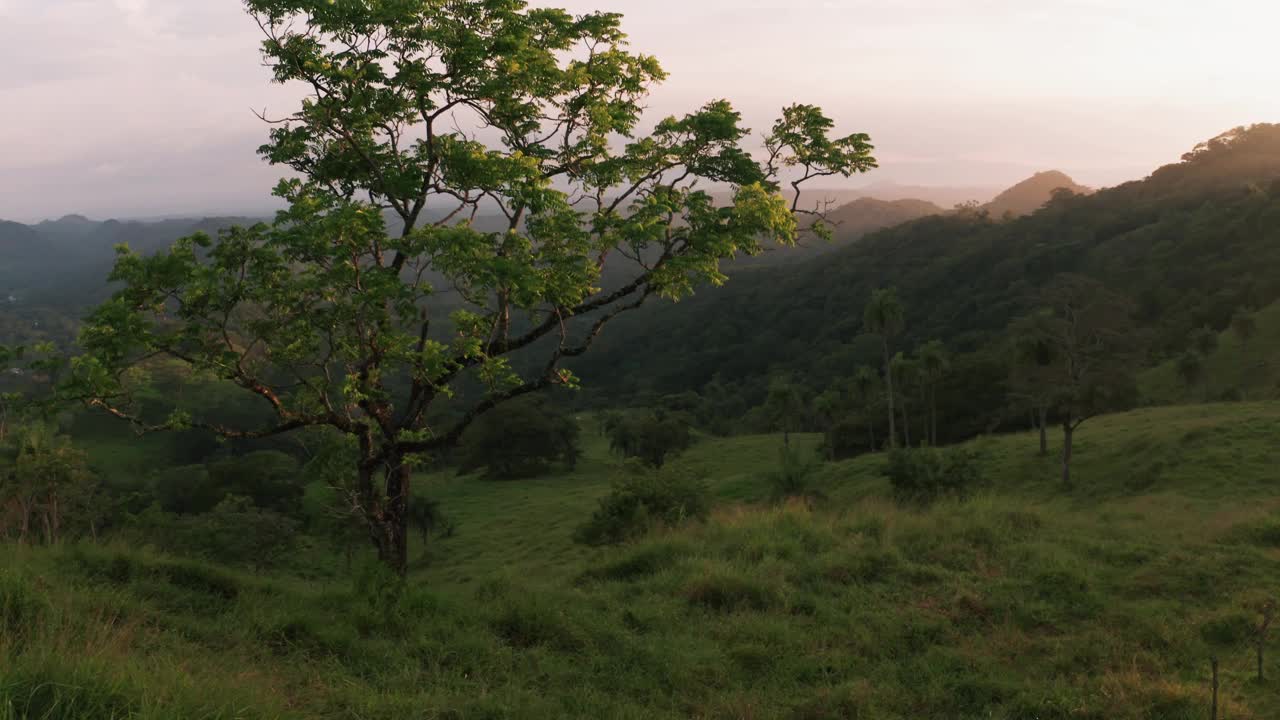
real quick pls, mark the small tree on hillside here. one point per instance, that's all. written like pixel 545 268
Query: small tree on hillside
pixel 906 370
pixel 653 436
pixel 785 407
pixel 865 386
pixel 1190 367
pixel 432 113
pixel 521 439
pixel 1091 332
pixel 1204 341
pixel 46 488
pixel 1245 325
pixel 1033 372
pixel 884 317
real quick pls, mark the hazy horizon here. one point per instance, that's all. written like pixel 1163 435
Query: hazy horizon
pixel 136 108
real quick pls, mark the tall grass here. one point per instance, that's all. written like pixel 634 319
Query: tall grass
pixel 1022 602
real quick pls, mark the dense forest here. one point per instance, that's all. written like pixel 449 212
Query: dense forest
pixel 1192 245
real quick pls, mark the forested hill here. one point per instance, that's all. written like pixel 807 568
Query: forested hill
pixel 65 262
pixel 1031 194
pixel 1191 244
pixel 849 222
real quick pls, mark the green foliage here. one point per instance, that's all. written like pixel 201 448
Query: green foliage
pixel 643 500
pixel 884 314
pixel 924 475
pixel 268 478
pixel 785 406
pixel 1190 246
pixel 47 491
pixel 651 436
pixel 794 474
pixel 336 313
pixel 855 606
pixel 1204 341
pixel 520 439
pixel 234 531
pixel 1245 325
pixel 1190 368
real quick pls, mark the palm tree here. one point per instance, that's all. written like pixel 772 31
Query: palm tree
pixel 865 380
pixel 884 317
pixel 935 363
pixel 907 370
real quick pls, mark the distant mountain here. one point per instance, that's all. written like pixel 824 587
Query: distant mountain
pixel 851 222
pixel 944 196
pixel 65 262
pixel 1031 194
pixel 866 214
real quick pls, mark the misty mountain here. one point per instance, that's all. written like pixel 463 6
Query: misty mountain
pixel 65 262
pixel 1033 193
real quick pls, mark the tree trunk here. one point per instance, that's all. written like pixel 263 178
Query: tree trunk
pixel 871 433
pixel 1068 431
pixel 1043 419
pixel 906 424
pixel 24 515
pixel 933 417
pixel 888 382
pixel 387 513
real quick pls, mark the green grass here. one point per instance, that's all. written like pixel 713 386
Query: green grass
pixel 1236 369
pixel 1030 600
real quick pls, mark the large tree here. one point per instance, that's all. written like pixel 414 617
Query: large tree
pixel 374 304
pixel 883 316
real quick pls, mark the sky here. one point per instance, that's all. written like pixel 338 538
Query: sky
pixel 143 108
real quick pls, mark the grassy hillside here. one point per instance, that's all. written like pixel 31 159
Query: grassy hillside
pixel 1028 601
pixel 1237 368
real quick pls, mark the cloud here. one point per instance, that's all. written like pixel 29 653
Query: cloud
pixel 159 92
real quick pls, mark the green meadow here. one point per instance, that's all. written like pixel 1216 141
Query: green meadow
pixel 1026 601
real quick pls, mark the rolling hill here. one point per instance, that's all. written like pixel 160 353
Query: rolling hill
pixel 1190 245
pixel 850 606
pixel 1033 193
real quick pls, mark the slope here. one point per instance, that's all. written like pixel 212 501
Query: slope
pixel 1190 245
pixel 1033 193
pixel 1028 601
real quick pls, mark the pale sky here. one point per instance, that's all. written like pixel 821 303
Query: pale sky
pixel 125 108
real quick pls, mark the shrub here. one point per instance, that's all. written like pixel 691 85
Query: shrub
pixel 653 437
pixel 921 476
pixel 848 438
pixel 234 532
pixel 520 439
pixel 267 477
pixel 793 476
pixel 644 500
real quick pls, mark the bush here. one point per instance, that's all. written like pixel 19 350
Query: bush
pixel 847 438
pixel 793 476
pixel 642 501
pixel 267 477
pixel 652 437
pixel 921 476
pixel 520 439
pixel 234 532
